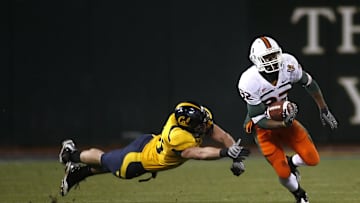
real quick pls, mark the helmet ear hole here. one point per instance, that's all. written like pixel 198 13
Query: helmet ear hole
pixel 252 58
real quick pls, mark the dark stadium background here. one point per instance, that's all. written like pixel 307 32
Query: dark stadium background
pixel 102 72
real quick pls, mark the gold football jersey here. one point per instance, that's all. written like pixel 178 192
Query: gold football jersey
pixel 163 151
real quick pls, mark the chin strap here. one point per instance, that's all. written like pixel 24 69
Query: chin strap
pixel 153 175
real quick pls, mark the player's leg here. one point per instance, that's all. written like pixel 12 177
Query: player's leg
pixel 70 153
pixel 279 163
pixel 91 156
pixel 88 163
pixel 306 154
pixel 126 163
pixel 270 143
pixel 293 168
pixel 80 166
pixel 301 143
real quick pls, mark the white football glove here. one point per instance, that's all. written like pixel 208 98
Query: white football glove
pixel 234 150
pixel 237 152
pixel 290 114
pixel 326 117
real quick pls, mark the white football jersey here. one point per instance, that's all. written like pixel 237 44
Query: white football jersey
pixel 255 89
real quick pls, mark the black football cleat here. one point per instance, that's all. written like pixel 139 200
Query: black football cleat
pixel 301 196
pixel 71 177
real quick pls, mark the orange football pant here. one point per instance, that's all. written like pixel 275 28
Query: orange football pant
pixel 271 142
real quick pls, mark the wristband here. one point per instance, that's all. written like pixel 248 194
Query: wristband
pixel 224 152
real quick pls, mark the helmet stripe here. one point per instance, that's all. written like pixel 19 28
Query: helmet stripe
pixel 187 104
pixel 266 42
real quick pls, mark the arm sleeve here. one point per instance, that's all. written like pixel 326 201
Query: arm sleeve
pixel 256 112
pixel 309 83
pixel 257 115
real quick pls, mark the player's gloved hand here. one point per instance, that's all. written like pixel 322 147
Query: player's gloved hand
pixel 235 151
pixel 326 117
pixel 237 167
pixel 245 152
pixel 290 114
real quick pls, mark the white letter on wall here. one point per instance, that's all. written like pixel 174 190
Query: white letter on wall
pixel 349 84
pixel 348 29
pixel 313 26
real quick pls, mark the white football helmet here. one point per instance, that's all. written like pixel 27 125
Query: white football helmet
pixel 265 53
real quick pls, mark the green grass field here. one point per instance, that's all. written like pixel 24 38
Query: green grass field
pixel 333 180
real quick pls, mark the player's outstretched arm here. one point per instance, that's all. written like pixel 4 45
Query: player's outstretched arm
pixel 311 86
pixel 221 136
pixel 232 149
pixel 235 151
pixel 201 153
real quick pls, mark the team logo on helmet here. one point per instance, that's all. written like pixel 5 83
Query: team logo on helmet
pixel 183 120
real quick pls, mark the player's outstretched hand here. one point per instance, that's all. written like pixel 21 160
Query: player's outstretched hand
pixel 327 118
pixel 245 152
pixel 237 167
pixel 235 151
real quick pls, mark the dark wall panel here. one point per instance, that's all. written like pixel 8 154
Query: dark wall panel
pixel 104 71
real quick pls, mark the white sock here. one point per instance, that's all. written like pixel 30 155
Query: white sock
pixel 297 160
pixel 290 183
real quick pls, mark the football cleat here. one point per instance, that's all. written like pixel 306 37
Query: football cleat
pixel 301 196
pixel 68 147
pixel 70 178
pixel 293 168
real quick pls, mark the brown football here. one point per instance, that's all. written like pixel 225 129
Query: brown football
pixel 276 110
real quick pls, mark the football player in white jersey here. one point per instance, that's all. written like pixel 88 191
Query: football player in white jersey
pixel 269 79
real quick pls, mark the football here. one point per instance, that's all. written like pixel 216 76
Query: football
pixel 278 110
